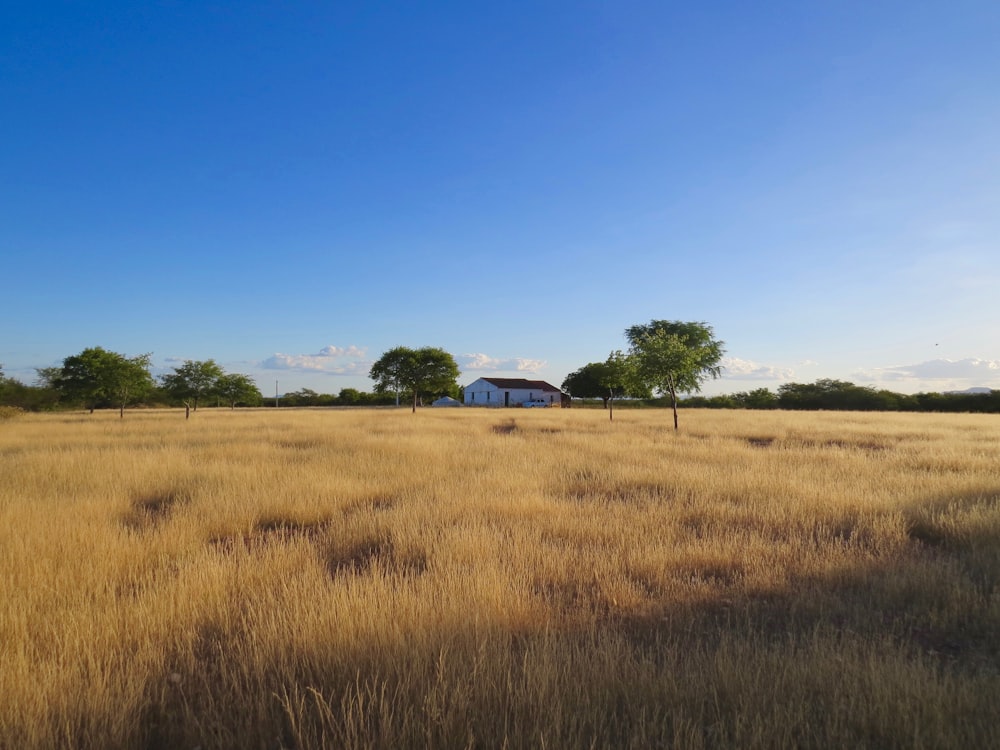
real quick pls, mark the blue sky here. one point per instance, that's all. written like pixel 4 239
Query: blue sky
pixel 293 188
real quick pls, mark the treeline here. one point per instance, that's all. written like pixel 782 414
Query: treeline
pixel 840 395
pixel 346 397
pixel 100 379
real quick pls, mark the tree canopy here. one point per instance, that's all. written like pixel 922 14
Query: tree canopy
pixel 193 381
pixel 96 376
pixel 427 371
pixel 587 382
pixel 674 357
pixel 235 389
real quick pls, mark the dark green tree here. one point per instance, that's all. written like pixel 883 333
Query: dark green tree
pixel 618 376
pixel 759 398
pixel 674 357
pixel 587 382
pixel 392 367
pixel 96 377
pixel 350 396
pixel 427 371
pixel 192 381
pixel 238 390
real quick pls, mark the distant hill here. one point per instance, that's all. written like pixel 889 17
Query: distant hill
pixel 970 391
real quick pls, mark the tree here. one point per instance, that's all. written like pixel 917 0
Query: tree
pixel 674 357
pixel 618 377
pixel 350 396
pixel 192 381
pixel 429 371
pixel 96 376
pixel 238 389
pixel 392 368
pixel 759 398
pixel 587 382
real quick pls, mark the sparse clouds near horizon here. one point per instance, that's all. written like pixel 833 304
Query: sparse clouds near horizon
pixel 735 368
pixel 971 371
pixel 332 360
pixel 485 362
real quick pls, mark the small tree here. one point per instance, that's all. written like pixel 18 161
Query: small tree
pixel 238 389
pixel 675 357
pixel 390 370
pixel 429 370
pixel 192 381
pixel 96 376
pixel 349 396
pixel 587 382
pixel 618 377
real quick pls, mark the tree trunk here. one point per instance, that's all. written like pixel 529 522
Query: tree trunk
pixel 673 401
pixel 414 400
pixel 611 411
pixel 121 411
pixel 605 399
pixel 187 410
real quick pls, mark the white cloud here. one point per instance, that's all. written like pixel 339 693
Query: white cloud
pixel 339 351
pixel 971 371
pixel 745 369
pixel 513 364
pixel 332 360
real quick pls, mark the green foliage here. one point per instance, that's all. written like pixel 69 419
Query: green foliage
pixel 759 398
pixel 238 390
pixel 835 394
pixel 587 382
pixel 350 396
pixel 429 371
pixel 674 357
pixel 15 394
pixel 96 377
pixel 193 381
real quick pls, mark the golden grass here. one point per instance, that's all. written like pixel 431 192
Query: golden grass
pixel 372 578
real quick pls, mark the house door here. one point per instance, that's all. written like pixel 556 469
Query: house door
pixel 506 398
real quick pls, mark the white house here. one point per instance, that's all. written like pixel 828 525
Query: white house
pixel 510 392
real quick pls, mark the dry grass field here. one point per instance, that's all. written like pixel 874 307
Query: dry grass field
pixel 528 578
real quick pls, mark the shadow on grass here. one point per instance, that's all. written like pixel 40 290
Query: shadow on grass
pixel 894 652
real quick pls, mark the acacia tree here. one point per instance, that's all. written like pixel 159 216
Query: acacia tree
pixel 674 357
pixel 429 370
pixel 236 389
pixel 587 382
pixel 96 376
pixel 192 381
pixel 617 376
pixel 390 370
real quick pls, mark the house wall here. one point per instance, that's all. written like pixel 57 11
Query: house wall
pixel 481 393
pixel 476 394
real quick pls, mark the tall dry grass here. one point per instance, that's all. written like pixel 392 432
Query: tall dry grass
pixel 499 579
